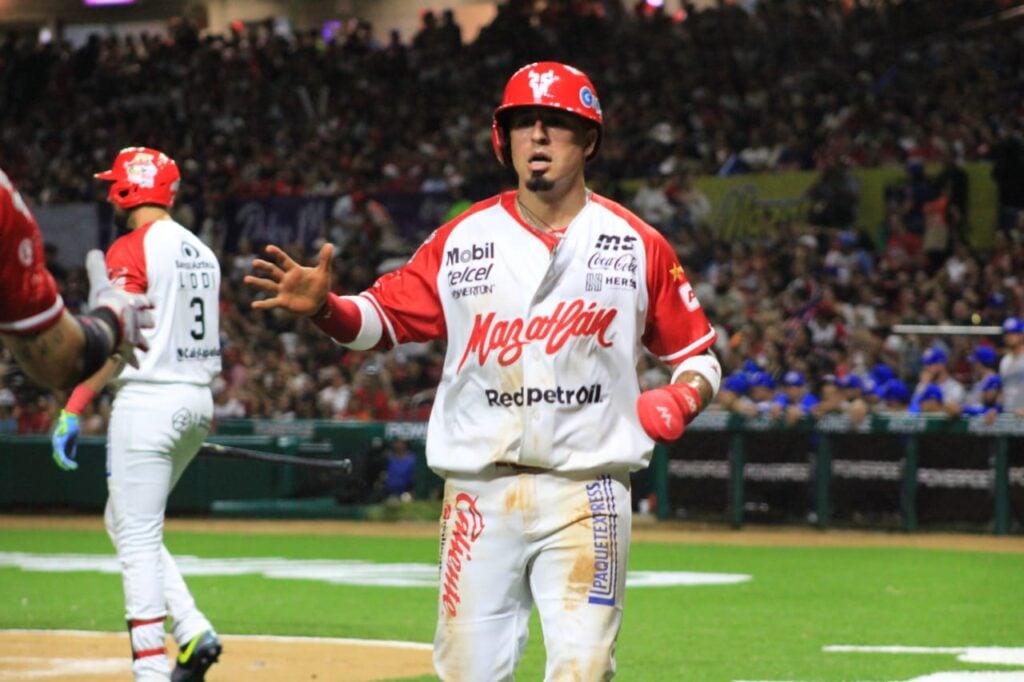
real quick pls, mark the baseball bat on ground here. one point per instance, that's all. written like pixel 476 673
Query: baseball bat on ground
pixel 231 452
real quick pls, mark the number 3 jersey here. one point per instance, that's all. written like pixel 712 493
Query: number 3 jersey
pixel 181 276
pixel 544 334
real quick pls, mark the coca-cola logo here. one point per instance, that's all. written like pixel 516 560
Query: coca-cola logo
pixel 508 337
pixel 625 262
pixel 467 527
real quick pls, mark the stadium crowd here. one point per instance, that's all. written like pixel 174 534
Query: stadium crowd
pixel 765 87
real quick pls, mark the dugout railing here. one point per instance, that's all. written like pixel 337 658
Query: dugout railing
pixel 894 471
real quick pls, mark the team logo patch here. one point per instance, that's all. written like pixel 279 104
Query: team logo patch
pixel 141 170
pixel 540 83
pixel 189 251
pixel 606 542
pixel 589 100
pixel 181 420
pixel 689 297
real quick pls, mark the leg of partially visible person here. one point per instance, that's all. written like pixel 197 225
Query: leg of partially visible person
pixel 484 604
pixel 198 644
pixel 578 577
pixel 139 474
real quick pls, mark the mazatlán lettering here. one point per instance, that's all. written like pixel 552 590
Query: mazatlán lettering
pixel 468 525
pixel 584 395
pixel 602 510
pixel 508 337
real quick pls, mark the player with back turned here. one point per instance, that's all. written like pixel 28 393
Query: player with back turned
pixel 54 347
pixel 545 295
pixel 161 412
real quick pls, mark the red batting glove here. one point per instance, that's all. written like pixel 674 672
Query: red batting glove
pixel 664 412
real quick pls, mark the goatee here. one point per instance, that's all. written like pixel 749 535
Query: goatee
pixel 538 183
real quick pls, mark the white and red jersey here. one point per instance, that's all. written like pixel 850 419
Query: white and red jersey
pixel 29 300
pixel 181 276
pixel 544 334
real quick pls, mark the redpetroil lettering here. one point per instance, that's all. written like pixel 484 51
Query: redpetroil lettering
pixel 508 337
pixel 468 526
pixel 584 395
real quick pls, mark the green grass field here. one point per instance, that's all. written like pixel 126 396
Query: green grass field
pixel 776 626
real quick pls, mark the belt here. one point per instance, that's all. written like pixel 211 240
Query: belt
pixel 521 468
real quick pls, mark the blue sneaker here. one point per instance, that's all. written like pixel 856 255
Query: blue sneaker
pixel 196 657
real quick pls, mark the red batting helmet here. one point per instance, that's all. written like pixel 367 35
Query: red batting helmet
pixel 141 175
pixel 546 84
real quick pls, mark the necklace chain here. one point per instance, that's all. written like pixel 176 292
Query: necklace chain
pixel 532 217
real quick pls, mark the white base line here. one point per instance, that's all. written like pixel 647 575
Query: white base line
pixel 419 646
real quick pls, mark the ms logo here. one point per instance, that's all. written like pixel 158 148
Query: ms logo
pixel 611 242
pixel 189 251
pixel 540 83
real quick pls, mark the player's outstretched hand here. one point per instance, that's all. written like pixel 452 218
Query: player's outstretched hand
pixel 664 412
pixel 65 441
pixel 296 288
pixel 132 311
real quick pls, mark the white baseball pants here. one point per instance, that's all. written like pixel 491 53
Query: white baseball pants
pixel 511 538
pixel 155 431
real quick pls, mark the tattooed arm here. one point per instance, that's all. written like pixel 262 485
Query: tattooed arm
pixel 55 356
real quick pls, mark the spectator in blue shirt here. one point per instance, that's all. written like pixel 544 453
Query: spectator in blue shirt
pixel 400 473
pixel 985 394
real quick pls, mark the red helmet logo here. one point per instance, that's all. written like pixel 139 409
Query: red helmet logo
pixel 140 175
pixel 546 84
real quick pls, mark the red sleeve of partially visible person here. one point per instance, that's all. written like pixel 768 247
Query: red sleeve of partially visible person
pixel 30 302
pixel 126 261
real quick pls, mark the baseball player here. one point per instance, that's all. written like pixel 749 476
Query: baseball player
pixel 54 347
pixel 161 412
pixel 1011 366
pixel 545 295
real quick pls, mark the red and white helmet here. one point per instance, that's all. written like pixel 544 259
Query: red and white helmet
pixel 141 175
pixel 546 84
